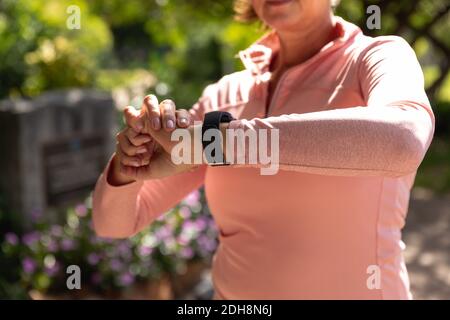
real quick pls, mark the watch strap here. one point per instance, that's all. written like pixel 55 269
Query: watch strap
pixel 212 120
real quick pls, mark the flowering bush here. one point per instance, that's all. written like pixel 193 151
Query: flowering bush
pixel 183 234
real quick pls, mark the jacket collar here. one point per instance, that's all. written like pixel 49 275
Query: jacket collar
pixel 257 57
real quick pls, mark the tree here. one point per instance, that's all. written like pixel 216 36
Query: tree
pixel 424 24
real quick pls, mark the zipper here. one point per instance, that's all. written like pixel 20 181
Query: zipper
pixel 332 45
pixel 275 93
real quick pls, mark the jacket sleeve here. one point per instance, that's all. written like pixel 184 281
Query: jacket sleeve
pixel 387 137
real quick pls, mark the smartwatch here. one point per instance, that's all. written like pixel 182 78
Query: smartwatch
pixel 213 120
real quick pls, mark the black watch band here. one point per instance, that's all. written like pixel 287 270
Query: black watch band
pixel 213 120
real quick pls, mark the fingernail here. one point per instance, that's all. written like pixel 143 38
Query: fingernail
pixel 139 126
pixel 170 124
pixel 155 123
pixel 146 139
pixel 183 121
pixel 141 150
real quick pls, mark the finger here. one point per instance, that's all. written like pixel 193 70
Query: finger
pixel 137 173
pixel 137 139
pixel 167 108
pixel 133 118
pixel 128 171
pixel 145 157
pixel 183 118
pixel 143 173
pixel 151 107
pixel 126 146
pixel 151 147
pixel 122 168
pixel 131 161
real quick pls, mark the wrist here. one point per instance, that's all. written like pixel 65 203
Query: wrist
pixel 197 145
pixel 114 175
pixel 223 142
pixel 215 143
pixel 223 130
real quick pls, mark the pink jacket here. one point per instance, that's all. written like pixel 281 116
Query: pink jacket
pixel 354 125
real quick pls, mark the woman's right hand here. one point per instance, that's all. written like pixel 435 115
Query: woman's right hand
pixel 133 150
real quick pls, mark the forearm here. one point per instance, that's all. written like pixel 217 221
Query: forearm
pixel 115 206
pixel 388 140
pixel 122 211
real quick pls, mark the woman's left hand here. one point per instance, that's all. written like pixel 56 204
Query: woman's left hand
pixel 148 121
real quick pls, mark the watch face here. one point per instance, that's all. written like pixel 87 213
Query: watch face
pixel 211 122
pixel 206 127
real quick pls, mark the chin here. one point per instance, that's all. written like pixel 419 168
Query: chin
pixel 285 16
pixel 284 23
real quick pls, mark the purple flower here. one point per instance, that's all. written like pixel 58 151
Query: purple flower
pixel 36 215
pixel 163 233
pixel 67 244
pixel 31 238
pixel 183 239
pixel 12 238
pixel 28 265
pixel 200 223
pixel 189 227
pixel 53 270
pixel 126 279
pixel 116 264
pixel 81 210
pixel 93 259
pixel 52 246
pixel 188 224
pixel 187 253
pixel 56 231
pixel 185 212
pixel 145 250
pixel 206 244
pixel 161 218
pixel 192 199
pixel 124 250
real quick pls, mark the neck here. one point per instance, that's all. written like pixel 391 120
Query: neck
pixel 298 46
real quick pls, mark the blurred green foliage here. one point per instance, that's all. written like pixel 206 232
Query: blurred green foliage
pixel 425 24
pixel 185 44
pixel 38 51
pixel 434 172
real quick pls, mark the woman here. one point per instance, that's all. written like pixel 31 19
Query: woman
pixel 354 124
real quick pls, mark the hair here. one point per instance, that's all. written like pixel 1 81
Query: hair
pixel 244 11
